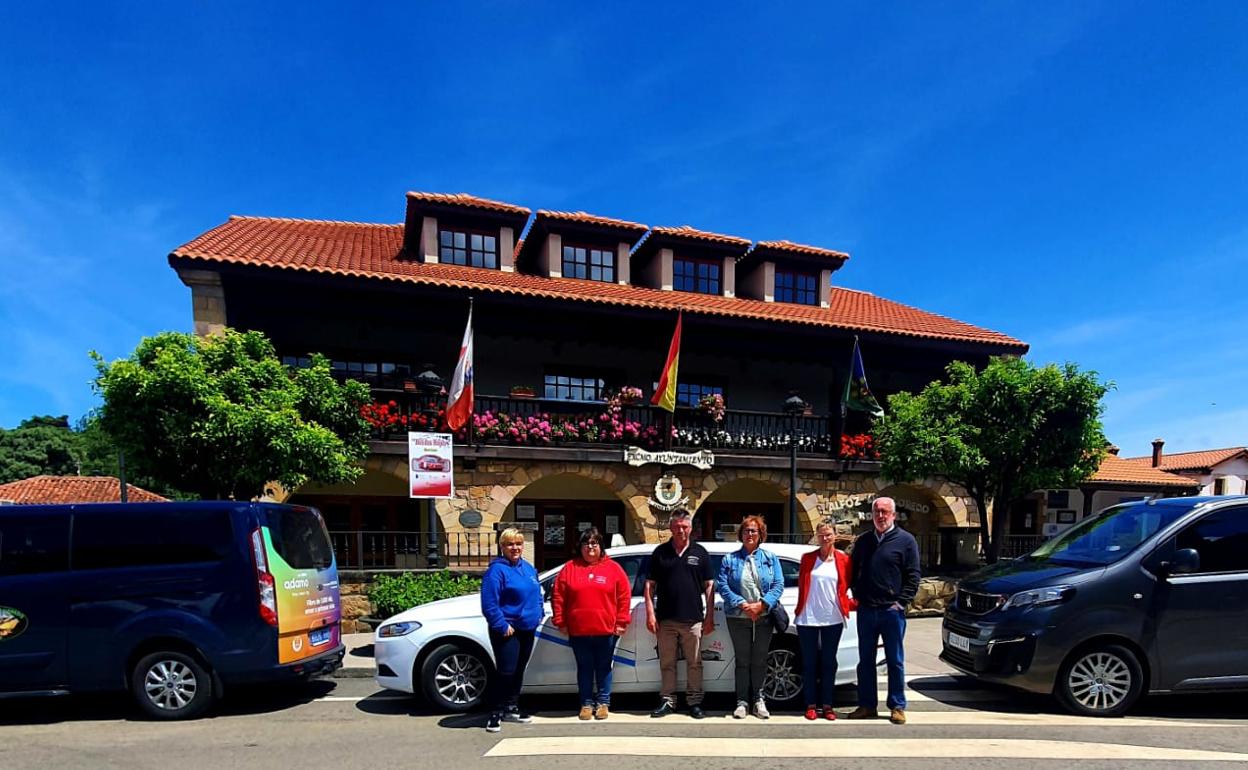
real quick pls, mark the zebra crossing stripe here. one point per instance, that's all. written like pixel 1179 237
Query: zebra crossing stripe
pixel 913 717
pixel 911 748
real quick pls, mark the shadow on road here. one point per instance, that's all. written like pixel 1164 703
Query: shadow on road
pixel 238 701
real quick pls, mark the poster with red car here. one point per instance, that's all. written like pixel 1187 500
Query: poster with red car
pixel 430 464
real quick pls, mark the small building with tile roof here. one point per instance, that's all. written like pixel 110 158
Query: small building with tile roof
pixel 1117 480
pixel 570 307
pixel 1217 471
pixel 73 489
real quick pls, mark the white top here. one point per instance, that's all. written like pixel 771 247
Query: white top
pixel 749 581
pixel 822 607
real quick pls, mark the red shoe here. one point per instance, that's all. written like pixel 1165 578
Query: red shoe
pixel 812 714
pixel 829 714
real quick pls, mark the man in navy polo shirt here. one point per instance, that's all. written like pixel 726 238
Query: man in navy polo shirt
pixel 884 574
pixel 681 579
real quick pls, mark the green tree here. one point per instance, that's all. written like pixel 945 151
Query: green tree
pixel 1001 433
pixel 220 416
pixel 41 445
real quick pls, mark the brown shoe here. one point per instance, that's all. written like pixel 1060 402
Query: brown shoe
pixel 897 716
pixel 587 713
pixel 601 712
pixel 862 712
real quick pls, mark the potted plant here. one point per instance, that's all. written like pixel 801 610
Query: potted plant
pixel 629 396
pixel 711 406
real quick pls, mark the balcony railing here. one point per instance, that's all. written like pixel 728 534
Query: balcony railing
pixel 412 550
pixel 517 421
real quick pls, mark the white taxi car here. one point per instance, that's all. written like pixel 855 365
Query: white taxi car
pixel 442 649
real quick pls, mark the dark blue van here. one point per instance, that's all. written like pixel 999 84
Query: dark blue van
pixel 1142 597
pixel 174 602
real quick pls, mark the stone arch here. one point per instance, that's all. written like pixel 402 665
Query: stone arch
pixel 919 509
pixel 749 485
pixel 493 490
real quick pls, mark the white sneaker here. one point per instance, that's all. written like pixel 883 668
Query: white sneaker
pixel 741 710
pixel 760 710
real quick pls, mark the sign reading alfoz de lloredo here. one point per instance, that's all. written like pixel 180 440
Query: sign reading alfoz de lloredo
pixel 636 456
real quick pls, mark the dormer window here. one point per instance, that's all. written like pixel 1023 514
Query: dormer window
pixel 585 262
pixel 695 275
pixel 795 287
pixel 465 247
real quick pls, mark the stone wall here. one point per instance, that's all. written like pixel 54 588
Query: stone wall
pixel 490 485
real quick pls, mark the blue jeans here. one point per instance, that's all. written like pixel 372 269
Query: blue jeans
pixel 819 645
pixel 511 657
pixel 595 656
pixel 890 624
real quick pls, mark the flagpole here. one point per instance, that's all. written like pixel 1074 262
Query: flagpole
pixel 839 422
pixel 472 413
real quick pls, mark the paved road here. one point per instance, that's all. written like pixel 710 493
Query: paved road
pixel 954 723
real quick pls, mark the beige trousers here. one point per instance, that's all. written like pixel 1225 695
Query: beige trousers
pixel 689 637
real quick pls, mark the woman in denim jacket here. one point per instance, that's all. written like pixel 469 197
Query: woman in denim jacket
pixel 751 582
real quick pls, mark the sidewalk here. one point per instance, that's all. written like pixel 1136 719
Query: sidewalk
pixel 358 663
pixel 922 651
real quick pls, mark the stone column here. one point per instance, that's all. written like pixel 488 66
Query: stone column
pixel 207 300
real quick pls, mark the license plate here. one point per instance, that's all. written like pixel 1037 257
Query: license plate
pixel 958 642
pixel 319 636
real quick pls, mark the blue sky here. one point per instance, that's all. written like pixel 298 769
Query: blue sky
pixel 1073 174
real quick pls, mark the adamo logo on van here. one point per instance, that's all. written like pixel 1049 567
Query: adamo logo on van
pixel 296 583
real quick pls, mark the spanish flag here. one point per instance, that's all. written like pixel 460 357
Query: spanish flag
pixel 665 394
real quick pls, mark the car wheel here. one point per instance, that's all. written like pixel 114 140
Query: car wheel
pixel 783 682
pixel 1101 681
pixel 455 678
pixel 171 685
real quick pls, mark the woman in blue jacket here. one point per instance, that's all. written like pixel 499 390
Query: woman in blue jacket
pixel 511 601
pixel 751 582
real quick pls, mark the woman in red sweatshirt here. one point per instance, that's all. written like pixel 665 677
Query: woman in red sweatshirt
pixel 591 605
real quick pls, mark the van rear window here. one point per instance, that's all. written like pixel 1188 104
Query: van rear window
pixel 299 537
pixel 113 539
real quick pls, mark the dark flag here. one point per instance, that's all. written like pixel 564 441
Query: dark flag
pixel 857 395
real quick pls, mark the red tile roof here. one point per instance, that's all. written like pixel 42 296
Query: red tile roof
pixel 373 251
pixel 689 233
pixel 799 248
pixel 74 489
pixel 1190 461
pixel 1122 470
pixel 470 201
pixel 591 219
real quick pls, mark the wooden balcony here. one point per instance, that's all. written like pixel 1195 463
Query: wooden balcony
pixel 538 422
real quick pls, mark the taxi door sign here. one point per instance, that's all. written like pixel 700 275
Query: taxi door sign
pixel 12 623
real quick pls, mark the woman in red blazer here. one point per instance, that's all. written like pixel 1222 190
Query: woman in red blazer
pixel 823 605
pixel 590 603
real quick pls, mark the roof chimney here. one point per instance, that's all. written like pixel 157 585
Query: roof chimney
pixel 1112 449
pixel 1157 445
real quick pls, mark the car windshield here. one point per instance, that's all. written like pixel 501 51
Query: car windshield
pixel 1110 535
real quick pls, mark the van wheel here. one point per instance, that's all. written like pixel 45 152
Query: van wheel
pixel 1102 681
pixel 171 685
pixel 782 684
pixel 455 678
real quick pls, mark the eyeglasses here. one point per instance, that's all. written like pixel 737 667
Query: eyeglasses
pixel 749 531
pixel 591 544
